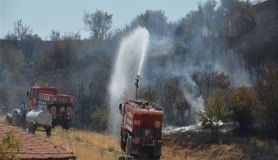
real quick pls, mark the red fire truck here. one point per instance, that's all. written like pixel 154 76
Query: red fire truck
pixel 141 129
pixel 59 105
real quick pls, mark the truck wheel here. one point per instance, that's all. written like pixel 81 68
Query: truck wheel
pixel 123 143
pixel 48 131
pixel 128 146
pixel 32 128
pixel 153 155
pixel 121 157
pixel 8 120
pixel 14 121
pixel 156 158
pixel 65 124
pixel 54 123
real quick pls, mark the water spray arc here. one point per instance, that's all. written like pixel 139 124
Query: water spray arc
pixel 129 63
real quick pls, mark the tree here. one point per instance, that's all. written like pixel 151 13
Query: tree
pixel 99 119
pixel 55 35
pixel 71 36
pixel 268 94
pixel 237 17
pixel 243 104
pixel 209 81
pixel 23 39
pixel 181 105
pixel 11 59
pixel 20 31
pixel 170 87
pixel 154 21
pixel 215 111
pixel 62 56
pixel 31 41
pixel 98 23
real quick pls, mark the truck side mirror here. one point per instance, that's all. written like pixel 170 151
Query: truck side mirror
pixel 120 107
pixel 27 94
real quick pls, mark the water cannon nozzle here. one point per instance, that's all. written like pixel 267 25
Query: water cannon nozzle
pixel 136 85
pixel 137 81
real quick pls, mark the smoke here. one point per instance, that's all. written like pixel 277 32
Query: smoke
pixel 198 57
pixel 128 64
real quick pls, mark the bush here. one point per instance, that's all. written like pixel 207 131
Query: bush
pixel 10 143
pixel 244 101
pixel 216 110
pixel 99 119
pixel 268 94
pixel 11 59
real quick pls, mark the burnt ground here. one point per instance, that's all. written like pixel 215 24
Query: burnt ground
pixel 227 148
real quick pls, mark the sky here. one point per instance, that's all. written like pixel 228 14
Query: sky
pixel 66 15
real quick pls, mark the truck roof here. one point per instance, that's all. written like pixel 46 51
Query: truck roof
pixel 36 86
pixel 142 105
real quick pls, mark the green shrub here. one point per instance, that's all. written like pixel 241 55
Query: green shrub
pixel 10 143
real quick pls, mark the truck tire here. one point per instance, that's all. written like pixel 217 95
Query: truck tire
pixel 128 146
pixel 153 155
pixel 65 124
pixel 124 157
pixel 54 123
pixel 121 157
pixel 32 128
pixel 48 131
pixel 15 118
pixel 123 142
pixel 8 120
pixel 155 158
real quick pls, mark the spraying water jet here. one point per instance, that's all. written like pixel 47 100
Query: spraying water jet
pixel 128 64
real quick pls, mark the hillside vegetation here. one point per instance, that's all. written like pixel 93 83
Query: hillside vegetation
pixel 220 58
pixel 216 48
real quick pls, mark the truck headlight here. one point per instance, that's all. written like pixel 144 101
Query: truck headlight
pixel 147 133
pixel 157 124
pixel 53 110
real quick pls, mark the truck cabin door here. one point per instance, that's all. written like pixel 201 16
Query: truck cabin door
pixel 31 98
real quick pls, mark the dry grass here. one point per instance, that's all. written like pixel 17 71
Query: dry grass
pixel 86 145
pixel 235 149
pixel 2 118
pixel 209 152
pixel 95 146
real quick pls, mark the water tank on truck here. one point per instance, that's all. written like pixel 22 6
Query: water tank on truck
pixel 141 128
pixel 39 117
